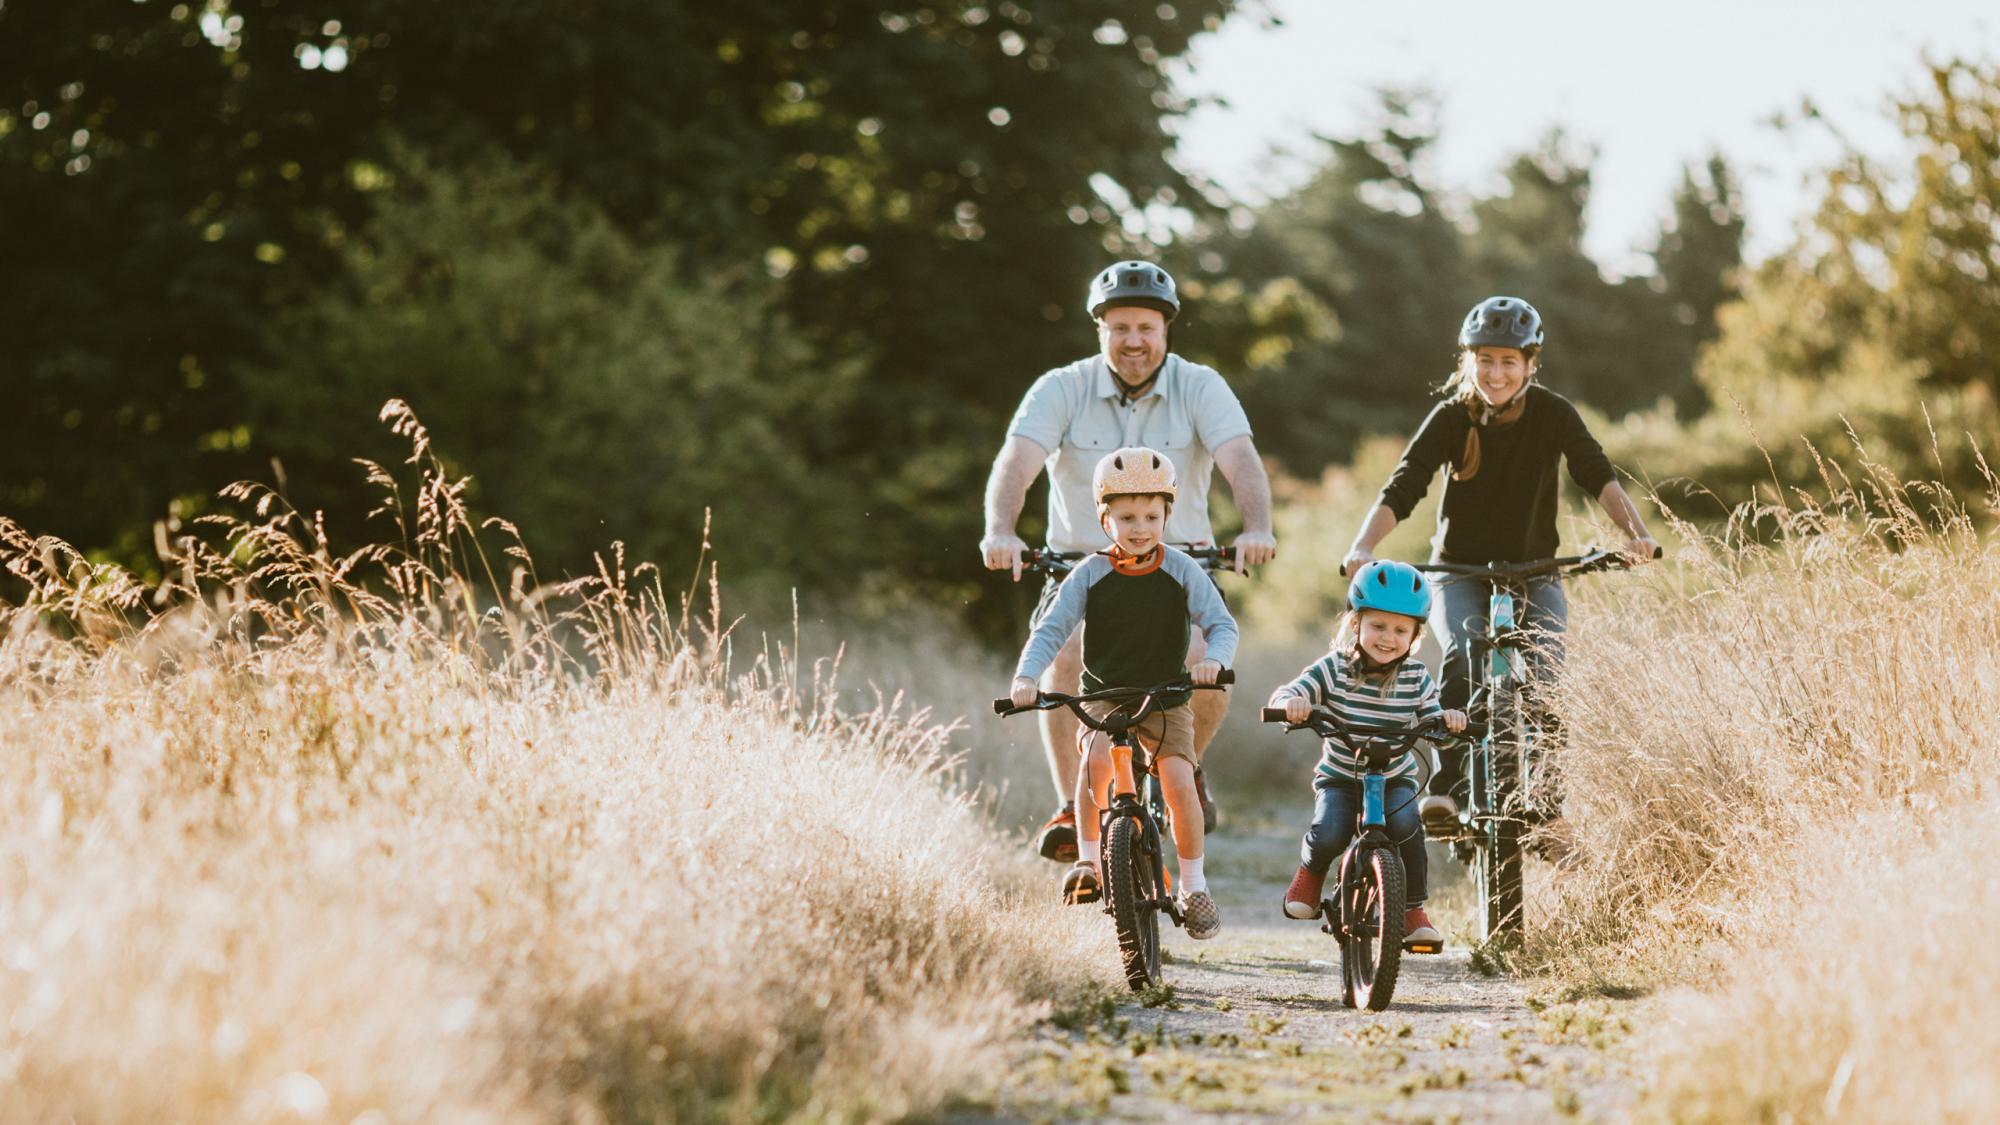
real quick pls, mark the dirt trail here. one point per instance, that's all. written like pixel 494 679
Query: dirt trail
pixel 1254 1030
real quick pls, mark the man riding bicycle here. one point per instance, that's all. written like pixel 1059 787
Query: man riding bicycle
pixel 1500 434
pixel 1133 392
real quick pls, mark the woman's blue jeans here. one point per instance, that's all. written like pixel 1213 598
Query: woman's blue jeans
pixel 1336 812
pixel 1459 619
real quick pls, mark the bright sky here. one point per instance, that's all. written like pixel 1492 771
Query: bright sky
pixel 1651 85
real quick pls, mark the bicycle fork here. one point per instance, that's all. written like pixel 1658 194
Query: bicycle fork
pixel 1351 917
pixel 1125 802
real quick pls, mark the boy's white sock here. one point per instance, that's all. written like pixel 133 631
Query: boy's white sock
pixel 1087 851
pixel 1192 879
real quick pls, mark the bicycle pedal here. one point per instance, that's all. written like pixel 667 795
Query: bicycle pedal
pixel 1423 947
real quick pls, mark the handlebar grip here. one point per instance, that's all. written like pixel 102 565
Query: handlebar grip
pixel 1002 706
pixel 1659 552
pixel 1273 715
pixel 1226 676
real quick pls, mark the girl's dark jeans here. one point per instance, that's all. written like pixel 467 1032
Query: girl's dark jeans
pixel 1336 811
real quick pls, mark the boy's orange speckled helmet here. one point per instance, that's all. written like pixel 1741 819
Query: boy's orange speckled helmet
pixel 1133 471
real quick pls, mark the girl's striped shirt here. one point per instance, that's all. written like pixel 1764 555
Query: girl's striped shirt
pixel 1333 682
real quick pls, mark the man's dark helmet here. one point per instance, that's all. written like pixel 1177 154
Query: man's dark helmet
pixel 1502 322
pixel 1133 283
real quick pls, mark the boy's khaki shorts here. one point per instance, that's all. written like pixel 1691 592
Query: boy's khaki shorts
pixel 1168 734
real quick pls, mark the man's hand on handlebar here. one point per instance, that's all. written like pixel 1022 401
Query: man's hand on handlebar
pixel 1357 557
pixel 1205 673
pixel 1003 552
pixel 1254 548
pixel 1023 692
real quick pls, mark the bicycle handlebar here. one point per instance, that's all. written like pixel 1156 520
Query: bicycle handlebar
pixel 1044 560
pixel 1326 724
pixel 1593 559
pixel 1049 700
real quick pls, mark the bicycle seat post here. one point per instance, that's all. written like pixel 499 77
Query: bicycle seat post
pixel 1124 781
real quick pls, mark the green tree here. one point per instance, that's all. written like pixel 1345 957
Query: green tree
pixel 590 388
pixel 925 181
pixel 1865 327
pixel 1337 307
pixel 1612 344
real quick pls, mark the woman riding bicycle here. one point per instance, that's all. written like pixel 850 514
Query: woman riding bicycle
pixel 1500 434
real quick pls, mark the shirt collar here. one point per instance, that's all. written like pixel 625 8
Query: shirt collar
pixel 1107 383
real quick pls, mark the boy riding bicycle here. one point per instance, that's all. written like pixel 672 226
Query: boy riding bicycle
pixel 1137 599
pixel 1369 681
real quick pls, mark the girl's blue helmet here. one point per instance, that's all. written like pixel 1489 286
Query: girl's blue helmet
pixel 1392 587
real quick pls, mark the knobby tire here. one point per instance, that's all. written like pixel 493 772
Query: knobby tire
pixel 1369 964
pixel 1131 888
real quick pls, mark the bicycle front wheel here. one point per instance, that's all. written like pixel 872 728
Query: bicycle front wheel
pixel 1133 888
pixel 1371 948
pixel 1496 871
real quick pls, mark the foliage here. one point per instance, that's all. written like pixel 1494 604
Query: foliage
pixel 922 178
pixel 1863 326
pixel 553 348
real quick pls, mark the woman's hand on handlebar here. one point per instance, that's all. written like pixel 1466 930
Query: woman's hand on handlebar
pixel 1023 693
pixel 1640 551
pixel 1205 673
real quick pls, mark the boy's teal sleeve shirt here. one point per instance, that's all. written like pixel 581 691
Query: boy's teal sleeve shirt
pixel 1206 609
pixel 1061 619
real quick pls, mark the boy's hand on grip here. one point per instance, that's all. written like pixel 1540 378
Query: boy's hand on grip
pixel 1454 721
pixel 1297 709
pixel 1205 672
pixel 1023 692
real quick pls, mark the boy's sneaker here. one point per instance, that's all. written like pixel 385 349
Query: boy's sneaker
pixel 1198 911
pixel 1419 936
pixel 1207 806
pixel 1302 898
pixel 1080 885
pixel 1440 816
pixel 1057 839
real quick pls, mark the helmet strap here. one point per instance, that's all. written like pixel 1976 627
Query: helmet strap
pixel 1131 392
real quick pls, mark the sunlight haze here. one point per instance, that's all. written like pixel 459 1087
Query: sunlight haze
pixel 1651 88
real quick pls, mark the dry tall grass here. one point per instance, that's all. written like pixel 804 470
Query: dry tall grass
pixel 281 843
pixel 1781 755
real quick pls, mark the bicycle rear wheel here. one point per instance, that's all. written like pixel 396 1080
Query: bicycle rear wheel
pixel 1371 948
pixel 1133 889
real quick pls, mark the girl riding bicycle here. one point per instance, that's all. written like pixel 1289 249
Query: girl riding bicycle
pixel 1137 600
pixel 1500 434
pixel 1369 681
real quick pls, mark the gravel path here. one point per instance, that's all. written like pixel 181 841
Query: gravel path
pixel 1251 1029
